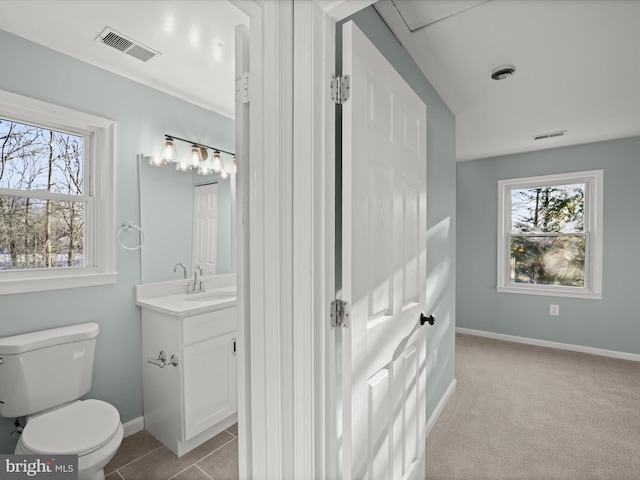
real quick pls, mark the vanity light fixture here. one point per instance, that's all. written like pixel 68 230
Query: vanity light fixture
pixel 168 153
pixel 203 169
pixel 216 165
pixel 156 161
pixel 224 173
pixel 183 166
pixel 198 158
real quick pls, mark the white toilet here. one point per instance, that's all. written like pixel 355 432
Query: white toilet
pixel 42 377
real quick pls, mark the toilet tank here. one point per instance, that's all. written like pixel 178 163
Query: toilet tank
pixel 44 369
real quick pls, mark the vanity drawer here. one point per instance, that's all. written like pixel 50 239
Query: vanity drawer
pixel 208 325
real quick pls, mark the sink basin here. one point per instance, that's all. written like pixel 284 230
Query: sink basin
pixel 208 296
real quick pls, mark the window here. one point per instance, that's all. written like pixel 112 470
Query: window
pixel 550 235
pixel 56 197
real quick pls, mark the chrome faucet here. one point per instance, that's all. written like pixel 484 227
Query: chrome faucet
pixel 184 269
pixel 199 287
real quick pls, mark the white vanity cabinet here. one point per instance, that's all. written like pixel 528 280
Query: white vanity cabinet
pixel 187 404
pixel 209 370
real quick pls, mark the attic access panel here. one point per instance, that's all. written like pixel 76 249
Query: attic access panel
pixel 418 14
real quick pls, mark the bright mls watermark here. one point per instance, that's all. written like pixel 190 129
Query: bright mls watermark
pixel 58 467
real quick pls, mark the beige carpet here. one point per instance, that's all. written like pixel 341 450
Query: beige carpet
pixel 526 412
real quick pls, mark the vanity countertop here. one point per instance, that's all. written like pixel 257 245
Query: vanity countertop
pixel 182 304
pixel 171 297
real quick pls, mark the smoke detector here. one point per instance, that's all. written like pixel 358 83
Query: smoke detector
pixel 503 71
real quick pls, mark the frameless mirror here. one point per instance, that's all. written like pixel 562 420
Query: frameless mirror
pixel 167 210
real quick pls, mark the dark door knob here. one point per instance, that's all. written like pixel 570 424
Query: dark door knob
pixel 429 319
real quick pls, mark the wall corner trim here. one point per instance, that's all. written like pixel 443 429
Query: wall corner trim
pixel 634 357
pixel 441 404
pixel 133 426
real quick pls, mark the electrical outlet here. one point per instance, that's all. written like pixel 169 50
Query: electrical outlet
pixel 435 357
pixel 554 310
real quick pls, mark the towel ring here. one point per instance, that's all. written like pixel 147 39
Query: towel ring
pixel 126 226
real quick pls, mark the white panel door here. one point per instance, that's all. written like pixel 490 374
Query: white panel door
pixel 205 228
pixel 383 268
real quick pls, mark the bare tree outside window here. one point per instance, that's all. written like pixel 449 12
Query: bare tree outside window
pixel 42 209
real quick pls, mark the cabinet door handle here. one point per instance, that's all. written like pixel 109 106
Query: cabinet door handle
pixel 234 345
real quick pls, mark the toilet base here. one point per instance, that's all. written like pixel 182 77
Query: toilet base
pixel 97 476
pixel 91 466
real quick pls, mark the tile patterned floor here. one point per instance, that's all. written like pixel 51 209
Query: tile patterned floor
pixel 142 457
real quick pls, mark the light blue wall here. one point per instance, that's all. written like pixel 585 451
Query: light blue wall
pixel 441 204
pixel 612 323
pixel 142 116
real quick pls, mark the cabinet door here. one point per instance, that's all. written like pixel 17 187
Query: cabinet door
pixel 209 383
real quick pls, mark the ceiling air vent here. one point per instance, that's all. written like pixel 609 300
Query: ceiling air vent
pixel 118 41
pixel 549 135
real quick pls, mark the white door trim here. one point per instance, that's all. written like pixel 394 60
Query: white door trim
pixel 243 158
pixel 286 370
pixel 265 420
pixel 314 241
pixel 315 428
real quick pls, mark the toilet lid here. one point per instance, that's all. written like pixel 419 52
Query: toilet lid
pixel 76 429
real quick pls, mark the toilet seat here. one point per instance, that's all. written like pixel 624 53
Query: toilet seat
pixel 76 429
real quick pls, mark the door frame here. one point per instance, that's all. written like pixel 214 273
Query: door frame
pixel 286 250
pixel 314 201
pixel 261 234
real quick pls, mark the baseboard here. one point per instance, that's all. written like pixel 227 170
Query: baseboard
pixel 133 426
pixel 634 357
pixel 441 404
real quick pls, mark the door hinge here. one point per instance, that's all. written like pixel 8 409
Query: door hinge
pixel 242 88
pixel 340 314
pixel 340 88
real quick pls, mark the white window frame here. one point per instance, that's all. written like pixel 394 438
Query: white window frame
pixel 100 187
pixel 593 180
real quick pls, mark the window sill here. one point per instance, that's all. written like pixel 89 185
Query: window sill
pixel 59 282
pixel 551 292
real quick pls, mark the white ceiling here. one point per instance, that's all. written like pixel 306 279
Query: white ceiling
pixel 195 40
pixel 576 60
pixel 577 68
